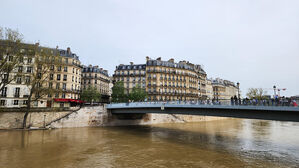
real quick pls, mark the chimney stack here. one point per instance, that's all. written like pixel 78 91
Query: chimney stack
pixel 147 58
pixel 159 58
pixel 68 50
pixel 131 63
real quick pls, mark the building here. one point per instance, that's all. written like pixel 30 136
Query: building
pixel 223 90
pixel 170 81
pixel 93 76
pixel 209 89
pixel 63 75
pixel 164 80
pixel 132 75
pixel 67 77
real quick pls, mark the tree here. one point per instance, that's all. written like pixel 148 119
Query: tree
pixel 137 94
pixel 90 94
pixel 118 92
pixel 257 93
pixel 38 79
pixel 11 56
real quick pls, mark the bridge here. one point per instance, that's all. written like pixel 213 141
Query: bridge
pixel 278 113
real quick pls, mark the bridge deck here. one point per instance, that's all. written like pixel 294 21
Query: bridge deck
pixel 280 113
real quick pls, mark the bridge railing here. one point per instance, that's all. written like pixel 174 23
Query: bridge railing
pixel 238 102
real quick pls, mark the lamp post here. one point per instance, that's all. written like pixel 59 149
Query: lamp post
pixel 274 88
pixel 238 85
pixel 44 120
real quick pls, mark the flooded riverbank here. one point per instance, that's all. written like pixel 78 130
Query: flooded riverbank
pixel 224 143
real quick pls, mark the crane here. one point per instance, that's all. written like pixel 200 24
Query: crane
pixel 276 89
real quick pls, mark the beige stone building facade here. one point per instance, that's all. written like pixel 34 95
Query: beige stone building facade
pixel 63 75
pixel 66 77
pixel 132 75
pixel 170 81
pixel 223 89
pixel 93 76
pixel 164 80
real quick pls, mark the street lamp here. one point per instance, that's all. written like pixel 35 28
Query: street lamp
pixel 238 85
pixel 274 88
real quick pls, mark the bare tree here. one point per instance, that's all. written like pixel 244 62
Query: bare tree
pixel 11 56
pixel 38 81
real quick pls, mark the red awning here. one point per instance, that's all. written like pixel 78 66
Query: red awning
pixel 69 100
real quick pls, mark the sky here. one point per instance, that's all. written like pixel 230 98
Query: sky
pixel 254 42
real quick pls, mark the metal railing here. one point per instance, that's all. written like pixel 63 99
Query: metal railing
pixel 223 102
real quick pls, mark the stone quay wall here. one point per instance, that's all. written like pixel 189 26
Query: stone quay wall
pixel 14 120
pixel 89 116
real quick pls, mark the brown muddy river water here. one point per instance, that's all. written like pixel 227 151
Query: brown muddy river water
pixel 225 143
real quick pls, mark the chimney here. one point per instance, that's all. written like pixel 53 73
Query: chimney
pixel 37 44
pixel 56 47
pixel 147 58
pixel 131 63
pixel 101 69
pixel 68 50
pixel 96 66
pixel 159 58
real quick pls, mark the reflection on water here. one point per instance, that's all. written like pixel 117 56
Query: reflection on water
pixel 225 143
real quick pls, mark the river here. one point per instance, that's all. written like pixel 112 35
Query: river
pixel 224 143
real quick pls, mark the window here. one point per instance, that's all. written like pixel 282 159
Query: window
pixel 95 81
pixel 20 69
pixel 57 85
pixel 50 84
pixel 96 75
pixel 63 95
pixel 29 60
pixel 64 77
pixel 39 75
pixel 17 92
pixel 72 78
pixel 5 78
pixel 73 70
pixel 27 79
pixel 25 102
pixel 59 68
pixel 4 92
pixel 19 80
pixel 52 67
pixel 2 102
pixel 65 69
pixel 51 76
pixel 64 86
pixel 10 58
pixel 66 60
pixel 29 69
pixel 16 102
pixel 58 77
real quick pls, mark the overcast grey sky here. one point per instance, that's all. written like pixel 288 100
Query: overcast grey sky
pixel 255 42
